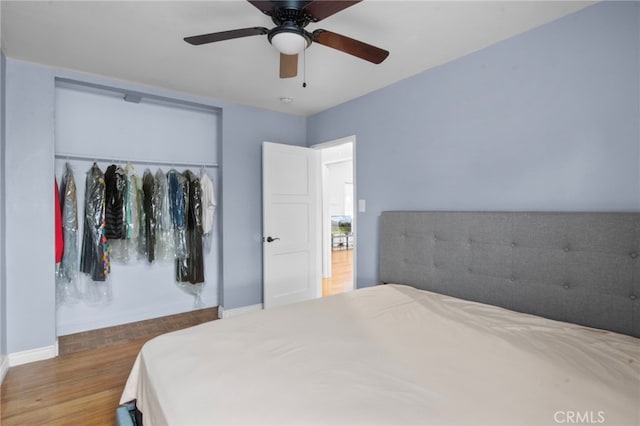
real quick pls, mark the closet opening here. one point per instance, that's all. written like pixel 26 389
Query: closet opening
pixel 102 126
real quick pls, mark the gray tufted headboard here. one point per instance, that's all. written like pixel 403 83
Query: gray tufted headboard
pixel 582 268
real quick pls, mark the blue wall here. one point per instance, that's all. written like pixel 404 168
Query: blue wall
pixel 244 130
pixel 547 120
pixel 29 267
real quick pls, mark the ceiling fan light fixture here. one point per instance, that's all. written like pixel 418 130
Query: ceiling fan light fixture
pixel 289 36
pixel 289 40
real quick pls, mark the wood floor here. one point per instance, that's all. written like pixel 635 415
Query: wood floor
pixel 341 279
pixel 83 387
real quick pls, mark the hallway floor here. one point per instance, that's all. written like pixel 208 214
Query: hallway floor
pixel 341 279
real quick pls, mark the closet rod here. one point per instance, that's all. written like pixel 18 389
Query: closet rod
pixel 63 156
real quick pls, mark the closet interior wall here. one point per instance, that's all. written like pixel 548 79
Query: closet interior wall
pixel 99 125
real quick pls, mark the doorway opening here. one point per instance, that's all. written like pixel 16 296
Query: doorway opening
pixel 338 219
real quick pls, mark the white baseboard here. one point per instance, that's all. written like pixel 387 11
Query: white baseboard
pixel 4 367
pixel 32 355
pixel 228 313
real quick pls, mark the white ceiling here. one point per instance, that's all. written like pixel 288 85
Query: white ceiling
pixel 141 41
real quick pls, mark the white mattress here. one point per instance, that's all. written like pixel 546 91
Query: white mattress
pixel 389 355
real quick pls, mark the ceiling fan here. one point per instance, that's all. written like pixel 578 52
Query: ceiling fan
pixel 290 37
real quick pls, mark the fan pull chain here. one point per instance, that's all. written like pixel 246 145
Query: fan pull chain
pixel 304 68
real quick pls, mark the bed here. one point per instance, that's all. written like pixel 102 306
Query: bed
pixel 484 318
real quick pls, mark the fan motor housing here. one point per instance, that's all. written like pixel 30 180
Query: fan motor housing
pixel 291 15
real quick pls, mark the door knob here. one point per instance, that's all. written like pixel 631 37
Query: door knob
pixel 270 240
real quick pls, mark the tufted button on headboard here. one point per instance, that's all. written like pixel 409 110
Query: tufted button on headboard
pixel 582 268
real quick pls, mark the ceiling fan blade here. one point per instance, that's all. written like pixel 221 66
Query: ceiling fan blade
pixel 288 65
pixel 320 9
pixel 351 46
pixel 225 35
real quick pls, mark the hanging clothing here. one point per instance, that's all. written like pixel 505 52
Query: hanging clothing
pixel 178 202
pixel 57 223
pixel 125 248
pixel 194 227
pixel 148 188
pixel 165 246
pixel 208 203
pixel 131 212
pixel 115 181
pixel 69 266
pixel 191 269
pixel 142 233
pixel 95 259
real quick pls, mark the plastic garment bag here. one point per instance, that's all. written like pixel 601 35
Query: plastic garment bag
pixel 125 248
pixel 142 233
pixel 149 206
pixel 194 229
pixel 94 259
pixel 131 204
pixel 208 209
pixel 115 181
pixel 67 274
pixel 191 269
pixel 178 202
pixel 165 247
pixel 208 202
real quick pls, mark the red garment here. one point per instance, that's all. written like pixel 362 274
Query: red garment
pixel 58 223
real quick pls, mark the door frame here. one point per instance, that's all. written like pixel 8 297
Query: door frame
pixel 354 221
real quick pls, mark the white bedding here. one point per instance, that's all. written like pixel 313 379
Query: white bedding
pixel 388 355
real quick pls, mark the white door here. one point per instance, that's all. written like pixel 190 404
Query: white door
pixel 290 224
